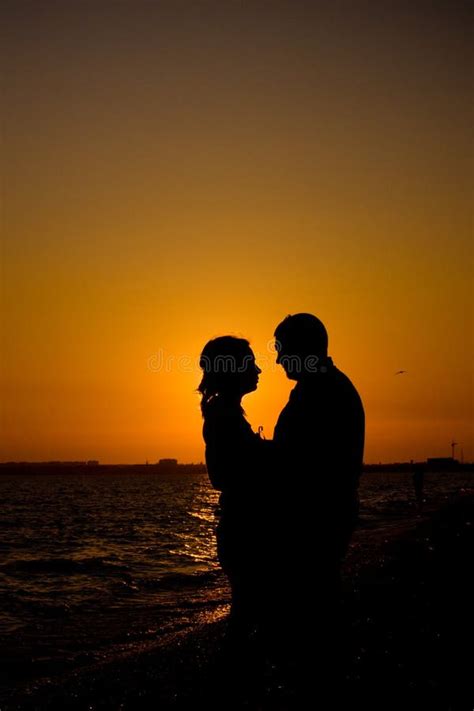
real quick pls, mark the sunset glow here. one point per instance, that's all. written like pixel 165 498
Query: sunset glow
pixel 178 171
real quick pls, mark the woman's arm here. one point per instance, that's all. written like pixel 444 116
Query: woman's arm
pixel 235 455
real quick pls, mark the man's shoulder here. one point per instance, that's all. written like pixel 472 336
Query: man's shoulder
pixel 345 388
pixel 342 379
pixel 328 388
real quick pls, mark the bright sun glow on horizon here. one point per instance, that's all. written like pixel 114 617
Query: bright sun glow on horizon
pixel 173 176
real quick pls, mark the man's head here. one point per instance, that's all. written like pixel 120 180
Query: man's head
pixel 301 341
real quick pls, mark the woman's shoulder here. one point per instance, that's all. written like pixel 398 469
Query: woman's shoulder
pixel 225 419
pixel 218 408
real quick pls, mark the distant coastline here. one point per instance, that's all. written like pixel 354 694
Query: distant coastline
pixel 91 467
pixel 172 466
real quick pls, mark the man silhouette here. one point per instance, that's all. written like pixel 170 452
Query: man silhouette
pixel 319 444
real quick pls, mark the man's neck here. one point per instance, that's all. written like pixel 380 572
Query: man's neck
pixel 324 365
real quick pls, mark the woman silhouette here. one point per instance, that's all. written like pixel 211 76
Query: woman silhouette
pixel 235 464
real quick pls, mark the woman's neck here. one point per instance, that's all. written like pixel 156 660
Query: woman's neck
pixel 231 399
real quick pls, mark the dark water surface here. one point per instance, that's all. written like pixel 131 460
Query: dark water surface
pixel 91 565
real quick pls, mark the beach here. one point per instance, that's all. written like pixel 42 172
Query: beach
pixel 406 604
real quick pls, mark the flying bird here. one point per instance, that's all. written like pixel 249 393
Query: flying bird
pixel 399 372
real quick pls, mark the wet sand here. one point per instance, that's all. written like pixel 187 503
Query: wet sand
pixel 406 600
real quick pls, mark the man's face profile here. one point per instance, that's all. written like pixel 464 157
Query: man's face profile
pixel 290 362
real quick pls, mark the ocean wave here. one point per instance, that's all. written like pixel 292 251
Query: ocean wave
pixel 91 565
pixel 172 581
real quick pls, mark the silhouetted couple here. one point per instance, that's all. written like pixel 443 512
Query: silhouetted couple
pixel 288 505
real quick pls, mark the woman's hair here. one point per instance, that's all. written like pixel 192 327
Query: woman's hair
pixel 222 361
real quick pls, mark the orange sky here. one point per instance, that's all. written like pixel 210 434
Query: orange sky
pixel 180 170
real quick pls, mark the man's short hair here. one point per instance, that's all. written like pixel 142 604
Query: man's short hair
pixel 303 333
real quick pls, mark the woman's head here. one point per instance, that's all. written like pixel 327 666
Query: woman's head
pixel 229 368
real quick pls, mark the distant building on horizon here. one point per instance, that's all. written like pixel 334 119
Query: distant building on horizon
pixel 168 463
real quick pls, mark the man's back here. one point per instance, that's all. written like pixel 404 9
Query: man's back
pixel 319 442
pixel 318 446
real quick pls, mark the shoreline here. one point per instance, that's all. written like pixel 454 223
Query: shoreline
pixel 406 598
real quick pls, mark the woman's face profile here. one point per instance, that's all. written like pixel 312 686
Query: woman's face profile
pixel 248 372
pixel 229 367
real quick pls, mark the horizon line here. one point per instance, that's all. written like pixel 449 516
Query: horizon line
pixel 170 462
